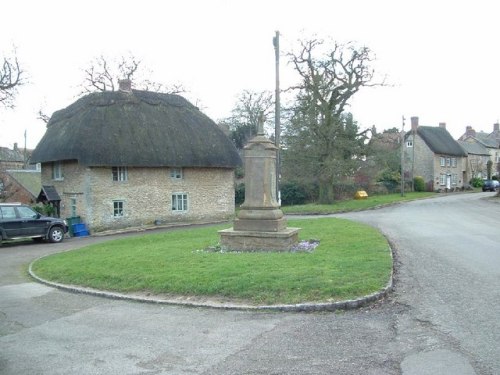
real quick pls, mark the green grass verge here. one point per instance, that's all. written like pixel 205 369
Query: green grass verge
pixel 352 260
pixel 353 204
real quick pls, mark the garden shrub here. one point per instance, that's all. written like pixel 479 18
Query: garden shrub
pixel 418 183
pixel 292 193
pixel 239 194
pixel 476 182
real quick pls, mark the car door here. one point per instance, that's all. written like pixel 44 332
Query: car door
pixel 10 222
pixel 31 223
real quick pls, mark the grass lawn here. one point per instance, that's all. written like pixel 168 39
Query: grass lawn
pixel 351 260
pixel 353 204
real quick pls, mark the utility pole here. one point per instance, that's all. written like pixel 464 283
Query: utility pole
pixel 277 124
pixel 402 158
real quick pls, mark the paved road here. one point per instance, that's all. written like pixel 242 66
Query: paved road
pixel 441 319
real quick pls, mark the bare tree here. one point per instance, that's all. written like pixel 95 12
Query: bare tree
pixel 323 140
pixel 103 75
pixel 11 77
pixel 244 119
pixel 43 116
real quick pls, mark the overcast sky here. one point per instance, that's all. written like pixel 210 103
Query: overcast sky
pixel 441 57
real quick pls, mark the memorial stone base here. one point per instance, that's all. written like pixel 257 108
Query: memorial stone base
pixel 239 240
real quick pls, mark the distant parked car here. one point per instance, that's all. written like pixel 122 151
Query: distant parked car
pixel 20 221
pixel 490 185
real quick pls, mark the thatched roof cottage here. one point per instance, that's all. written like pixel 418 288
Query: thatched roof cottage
pixel 130 157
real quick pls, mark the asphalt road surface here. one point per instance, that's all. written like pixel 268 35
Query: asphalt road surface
pixel 442 318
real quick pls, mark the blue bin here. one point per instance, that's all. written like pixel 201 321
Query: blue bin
pixel 80 230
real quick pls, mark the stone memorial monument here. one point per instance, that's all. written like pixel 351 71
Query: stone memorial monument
pixel 260 224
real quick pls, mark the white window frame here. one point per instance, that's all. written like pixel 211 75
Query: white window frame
pixel 442 179
pixel 442 161
pixel 180 202
pixel 176 173
pixel 409 143
pixel 454 179
pixel 454 162
pixel 118 208
pixel 119 174
pixel 448 162
pixel 57 171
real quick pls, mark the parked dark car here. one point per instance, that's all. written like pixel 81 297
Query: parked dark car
pixel 20 221
pixel 490 185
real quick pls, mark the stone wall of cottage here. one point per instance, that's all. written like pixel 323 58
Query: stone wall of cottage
pixel 146 194
pixel 419 160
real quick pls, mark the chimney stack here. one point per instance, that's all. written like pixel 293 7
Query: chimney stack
pixel 125 85
pixel 469 132
pixel 414 123
pixel 442 125
pixel 15 147
pixel 495 127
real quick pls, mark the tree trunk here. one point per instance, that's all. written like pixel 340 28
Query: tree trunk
pixel 325 191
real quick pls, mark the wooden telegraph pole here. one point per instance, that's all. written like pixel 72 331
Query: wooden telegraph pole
pixel 277 124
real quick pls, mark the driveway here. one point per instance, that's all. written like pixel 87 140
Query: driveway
pixel 441 319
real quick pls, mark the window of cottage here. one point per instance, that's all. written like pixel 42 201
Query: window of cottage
pixel 442 179
pixel 442 161
pixel 119 173
pixel 454 179
pixel 117 208
pixel 409 143
pixel 57 170
pixel 179 202
pixel 176 173
pixel 448 162
pixel 454 162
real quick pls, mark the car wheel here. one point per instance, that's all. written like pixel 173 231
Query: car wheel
pixel 56 234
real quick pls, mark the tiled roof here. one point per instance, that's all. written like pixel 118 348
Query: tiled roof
pixel 475 148
pixel 28 179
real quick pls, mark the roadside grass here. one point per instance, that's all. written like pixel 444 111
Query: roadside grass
pixel 354 204
pixel 351 260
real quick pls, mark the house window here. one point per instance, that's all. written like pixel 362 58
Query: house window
pixel 409 143
pixel 454 162
pixel 117 208
pixel 454 179
pixel 442 179
pixel 176 173
pixel 442 161
pixel 179 202
pixel 120 173
pixel 448 162
pixel 57 170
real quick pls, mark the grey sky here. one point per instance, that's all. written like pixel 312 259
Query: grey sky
pixel 441 57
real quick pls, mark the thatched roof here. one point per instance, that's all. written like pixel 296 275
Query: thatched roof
pixel 137 128
pixel 440 141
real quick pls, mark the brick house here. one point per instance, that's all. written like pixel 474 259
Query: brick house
pixel 129 158
pixel 21 185
pixel 432 153
pixel 16 180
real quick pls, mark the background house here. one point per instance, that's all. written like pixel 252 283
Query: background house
pixel 129 157
pixel 432 153
pixel 21 185
pixel 16 186
pixel 486 141
pixel 477 158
